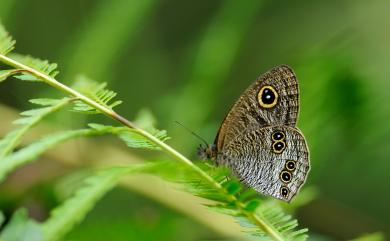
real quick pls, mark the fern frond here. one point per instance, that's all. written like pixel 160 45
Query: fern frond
pixel 259 218
pixel 131 137
pixel 146 121
pixel 279 225
pixel 21 228
pixel 95 91
pixel 63 218
pixel 282 223
pixel 42 66
pixel 32 117
pixel 135 140
pixel 31 152
pixel 4 74
pixel 6 42
pixel 46 101
pixel 34 150
pixel 200 180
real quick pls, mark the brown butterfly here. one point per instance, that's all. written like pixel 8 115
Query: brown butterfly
pixel 258 139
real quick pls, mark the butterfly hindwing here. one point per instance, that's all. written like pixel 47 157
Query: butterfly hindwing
pixel 273 160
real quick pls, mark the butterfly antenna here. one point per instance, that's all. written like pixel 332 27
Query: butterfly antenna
pixel 193 133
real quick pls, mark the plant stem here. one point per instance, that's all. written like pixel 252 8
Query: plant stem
pixel 106 111
pixel 58 85
pixel 168 149
pixel 9 147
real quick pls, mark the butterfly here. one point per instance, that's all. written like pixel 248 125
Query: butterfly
pixel 258 139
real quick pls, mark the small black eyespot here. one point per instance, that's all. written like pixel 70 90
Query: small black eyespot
pixel 278 135
pixel 290 165
pixel 285 176
pixel 284 191
pixel 268 96
pixel 278 146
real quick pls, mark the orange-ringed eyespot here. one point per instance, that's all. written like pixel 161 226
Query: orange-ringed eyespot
pixel 267 97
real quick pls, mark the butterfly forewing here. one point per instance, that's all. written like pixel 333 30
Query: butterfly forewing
pixel 253 108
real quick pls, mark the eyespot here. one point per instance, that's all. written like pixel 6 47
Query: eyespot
pixel 267 97
pixel 284 191
pixel 290 165
pixel 278 147
pixel 285 176
pixel 278 135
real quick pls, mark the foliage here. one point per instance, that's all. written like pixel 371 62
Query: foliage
pixel 21 228
pixel 95 91
pixel 43 66
pixel 233 199
pixel 208 182
pixel 34 150
pixel 6 41
pixel 73 210
pixel 32 117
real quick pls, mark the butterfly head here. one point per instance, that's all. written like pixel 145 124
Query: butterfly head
pixel 207 152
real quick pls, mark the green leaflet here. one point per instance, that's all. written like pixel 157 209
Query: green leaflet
pixel 31 152
pixel 21 228
pixel 30 119
pixel 73 211
pixel 6 41
pixel 280 223
pixel 42 66
pixel 146 121
pixel 46 101
pixel 4 74
pixel 131 137
pixel 95 91
pixel 135 140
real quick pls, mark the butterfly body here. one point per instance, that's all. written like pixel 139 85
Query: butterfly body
pixel 258 139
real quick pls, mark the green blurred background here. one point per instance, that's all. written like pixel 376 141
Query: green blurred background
pixel 189 61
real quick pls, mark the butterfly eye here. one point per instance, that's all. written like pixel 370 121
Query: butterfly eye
pixel 277 136
pixel 267 97
pixel 290 165
pixel 284 191
pixel 285 176
pixel 278 147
